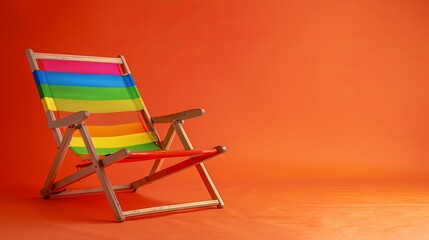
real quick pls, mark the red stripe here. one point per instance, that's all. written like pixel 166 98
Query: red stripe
pixel 144 156
pixel 80 67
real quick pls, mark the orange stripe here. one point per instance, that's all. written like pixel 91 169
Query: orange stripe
pixel 114 130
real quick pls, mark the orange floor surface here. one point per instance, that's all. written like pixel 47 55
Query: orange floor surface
pixel 253 211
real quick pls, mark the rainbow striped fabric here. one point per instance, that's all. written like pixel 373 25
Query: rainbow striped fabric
pixel 111 97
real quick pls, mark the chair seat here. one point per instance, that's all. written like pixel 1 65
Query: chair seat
pixel 158 154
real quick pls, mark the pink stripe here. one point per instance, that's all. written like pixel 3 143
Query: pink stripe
pixel 80 67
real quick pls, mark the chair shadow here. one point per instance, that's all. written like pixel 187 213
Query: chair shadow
pixel 95 207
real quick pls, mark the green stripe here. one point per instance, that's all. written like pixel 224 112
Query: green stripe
pixel 104 151
pixel 87 93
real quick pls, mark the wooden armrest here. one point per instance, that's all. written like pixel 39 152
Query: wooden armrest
pixel 70 120
pixel 179 116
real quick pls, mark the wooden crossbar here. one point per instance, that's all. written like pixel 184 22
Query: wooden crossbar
pixel 173 169
pixel 167 208
pixel 90 191
pixel 77 58
pixel 85 172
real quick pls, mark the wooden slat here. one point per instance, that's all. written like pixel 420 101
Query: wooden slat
pixel 204 174
pixel 115 157
pixel 168 140
pixel 148 120
pixel 173 169
pixel 85 172
pixel 72 119
pixel 82 58
pixel 59 158
pixel 192 113
pixel 55 131
pixel 167 208
pixel 208 182
pixel 124 65
pixel 31 59
pixel 169 137
pixel 90 191
pixel 178 126
pixel 101 173
pixel 64 182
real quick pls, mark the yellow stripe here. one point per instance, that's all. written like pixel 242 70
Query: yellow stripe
pixel 94 106
pixel 119 141
pixel 48 104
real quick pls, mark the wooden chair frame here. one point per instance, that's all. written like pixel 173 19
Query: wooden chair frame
pixel 76 121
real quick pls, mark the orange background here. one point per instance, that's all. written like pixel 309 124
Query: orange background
pixel 297 90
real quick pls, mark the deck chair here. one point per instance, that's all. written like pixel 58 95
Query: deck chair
pixel 94 109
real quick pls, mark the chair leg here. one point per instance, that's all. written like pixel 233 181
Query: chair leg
pixel 59 158
pixel 195 161
pixel 211 188
pixel 168 140
pixel 99 169
pixel 178 126
pixel 110 193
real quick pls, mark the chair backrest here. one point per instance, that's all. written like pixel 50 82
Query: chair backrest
pixel 102 86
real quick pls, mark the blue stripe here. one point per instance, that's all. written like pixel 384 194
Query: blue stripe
pixel 82 80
